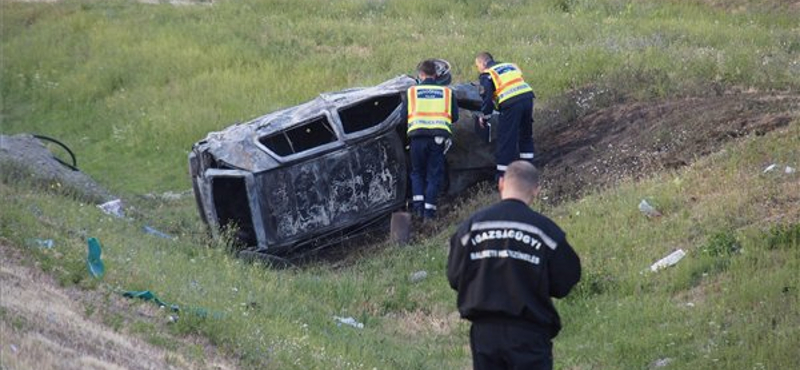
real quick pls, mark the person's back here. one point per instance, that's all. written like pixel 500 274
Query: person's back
pixel 431 111
pixel 503 89
pixel 506 262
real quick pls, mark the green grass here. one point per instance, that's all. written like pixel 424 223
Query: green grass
pixel 706 312
pixel 131 86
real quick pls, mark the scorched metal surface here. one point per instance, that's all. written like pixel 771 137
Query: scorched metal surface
pixel 314 172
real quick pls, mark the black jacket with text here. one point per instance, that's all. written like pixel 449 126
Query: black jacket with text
pixel 506 262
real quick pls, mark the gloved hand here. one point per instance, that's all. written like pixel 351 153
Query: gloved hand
pixel 446 142
pixel 483 119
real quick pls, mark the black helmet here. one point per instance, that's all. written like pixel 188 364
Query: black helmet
pixel 443 76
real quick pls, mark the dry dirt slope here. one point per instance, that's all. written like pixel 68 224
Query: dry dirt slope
pixel 46 327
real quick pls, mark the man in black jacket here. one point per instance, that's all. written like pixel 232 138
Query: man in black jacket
pixel 506 262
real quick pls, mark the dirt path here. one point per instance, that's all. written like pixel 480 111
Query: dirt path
pixel 45 327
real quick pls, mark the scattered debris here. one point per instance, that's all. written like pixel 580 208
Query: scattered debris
pixel 648 210
pixel 93 261
pixel 662 362
pixel 169 196
pixel 41 243
pixel 58 327
pixel 152 231
pixel 348 321
pixel 113 208
pixel 669 260
pixel 787 169
pixel 149 296
pixel 418 276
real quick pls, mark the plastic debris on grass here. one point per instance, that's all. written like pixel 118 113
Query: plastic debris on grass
pixel 662 362
pixel 93 258
pixel 348 321
pixel 648 210
pixel 116 208
pixel 41 243
pixel 787 169
pixel 669 260
pixel 770 168
pixel 113 208
pixel 418 276
pixel 153 231
pixel 149 296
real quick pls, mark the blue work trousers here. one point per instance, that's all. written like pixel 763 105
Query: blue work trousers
pixel 514 134
pixel 427 173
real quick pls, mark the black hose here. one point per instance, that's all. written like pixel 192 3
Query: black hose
pixel 74 165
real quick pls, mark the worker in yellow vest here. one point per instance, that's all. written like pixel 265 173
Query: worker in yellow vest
pixel 431 110
pixel 503 89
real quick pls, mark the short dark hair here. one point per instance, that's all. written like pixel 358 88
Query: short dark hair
pixel 522 174
pixel 485 57
pixel 427 67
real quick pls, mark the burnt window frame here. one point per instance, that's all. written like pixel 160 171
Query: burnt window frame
pixel 227 201
pixel 333 124
pixel 374 128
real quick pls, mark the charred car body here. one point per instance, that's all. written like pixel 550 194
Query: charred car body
pixel 323 170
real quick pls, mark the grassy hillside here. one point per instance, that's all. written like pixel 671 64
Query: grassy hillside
pixel 132 86
pixel 732 303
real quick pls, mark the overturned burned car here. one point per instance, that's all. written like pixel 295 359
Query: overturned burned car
pixel 319 172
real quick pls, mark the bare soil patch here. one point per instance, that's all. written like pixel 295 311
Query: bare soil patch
pixel 632 140
pixel 43 326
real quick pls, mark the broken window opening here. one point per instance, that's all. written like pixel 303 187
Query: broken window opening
pixel 233 208
pixel 309 135
pixel 369 113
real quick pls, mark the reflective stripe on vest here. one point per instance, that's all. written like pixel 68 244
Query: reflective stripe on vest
pixel 508 82
pixel 429 108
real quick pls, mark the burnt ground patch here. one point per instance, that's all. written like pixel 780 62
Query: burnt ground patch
pixel 632 140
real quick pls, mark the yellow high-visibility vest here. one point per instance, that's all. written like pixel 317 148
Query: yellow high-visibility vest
pixel 429 108
pixel 508 82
